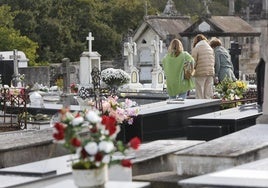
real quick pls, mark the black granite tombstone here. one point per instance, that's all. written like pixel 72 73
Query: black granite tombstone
pixel 235 51
pixel 260 73
pixel 6 70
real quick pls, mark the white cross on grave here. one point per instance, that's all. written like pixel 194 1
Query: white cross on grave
pixel 90 38
pixel 130 49
pixel 156 50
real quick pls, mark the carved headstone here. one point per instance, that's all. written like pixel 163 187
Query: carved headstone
pixel 88 61
pixel 157 73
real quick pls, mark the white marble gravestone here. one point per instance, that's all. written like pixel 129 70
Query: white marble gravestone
pixel 88 60
pixel 130 51
pixel 157 72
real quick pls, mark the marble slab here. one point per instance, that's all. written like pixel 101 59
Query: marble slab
pixel 254 174
pixel 225 152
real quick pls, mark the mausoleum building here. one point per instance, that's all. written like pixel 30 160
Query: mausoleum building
pixel 166 26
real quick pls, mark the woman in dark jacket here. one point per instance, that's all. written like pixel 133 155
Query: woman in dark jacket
pixel 223 64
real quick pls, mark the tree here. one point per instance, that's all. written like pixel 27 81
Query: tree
pixel 60 27
pixel 12 39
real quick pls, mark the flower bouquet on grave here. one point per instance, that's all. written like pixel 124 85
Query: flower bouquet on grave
pixel 114 77
pixel 91 136
pixel 74 88
pixel 229 91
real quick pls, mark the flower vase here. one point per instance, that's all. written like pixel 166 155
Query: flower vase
pixel 114 88
pixel 84 103
pixel 90 178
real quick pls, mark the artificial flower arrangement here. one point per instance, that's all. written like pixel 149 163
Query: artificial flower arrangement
pixel 229 90
pixel 114 77
pixel 74 88
pixel 91 134
pixel 122 111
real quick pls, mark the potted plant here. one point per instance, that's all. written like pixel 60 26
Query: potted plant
pixel 91 136
pixel 114 77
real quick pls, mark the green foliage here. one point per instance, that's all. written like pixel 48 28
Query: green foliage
pixel 11 39
pixel 6 17
pixel 60 28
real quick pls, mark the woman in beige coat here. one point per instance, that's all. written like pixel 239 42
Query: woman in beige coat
pixel 203 55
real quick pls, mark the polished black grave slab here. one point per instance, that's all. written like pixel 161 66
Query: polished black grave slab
pixel 167 119
pixel 216 124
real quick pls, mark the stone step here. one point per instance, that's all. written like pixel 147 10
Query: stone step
pixel 241 147
pixel 158 156
pixel 167 179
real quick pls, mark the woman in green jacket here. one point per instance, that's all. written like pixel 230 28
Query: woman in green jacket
pixel 173 64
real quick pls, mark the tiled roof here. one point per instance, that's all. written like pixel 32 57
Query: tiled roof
pixel 168 25
pixel 223 26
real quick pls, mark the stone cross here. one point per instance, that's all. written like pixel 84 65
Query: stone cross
pixel 130 49
pixel 16 82
pixel 231 7
pixel 156 50
pixel 264 13
pixel 205 3
pixel 15 57
pixel 90 38
pixel 66 70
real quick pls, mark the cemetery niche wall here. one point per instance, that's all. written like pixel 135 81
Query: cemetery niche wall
pixel 7 64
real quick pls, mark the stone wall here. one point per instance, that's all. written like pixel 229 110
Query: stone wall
pixel 34 75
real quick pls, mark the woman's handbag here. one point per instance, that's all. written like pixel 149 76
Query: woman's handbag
pixel 188 69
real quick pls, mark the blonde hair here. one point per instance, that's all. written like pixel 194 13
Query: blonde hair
pixel 198 38
pixel 214 42
pixel 175 47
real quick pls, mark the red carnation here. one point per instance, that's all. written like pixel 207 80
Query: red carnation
pixel 135 143
pixel 126 163
pixel 59 127
pixel 98 156
pixel 93 129
pixel 75 142
pixel 58 136
pixel 110 124
pixel 84 153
